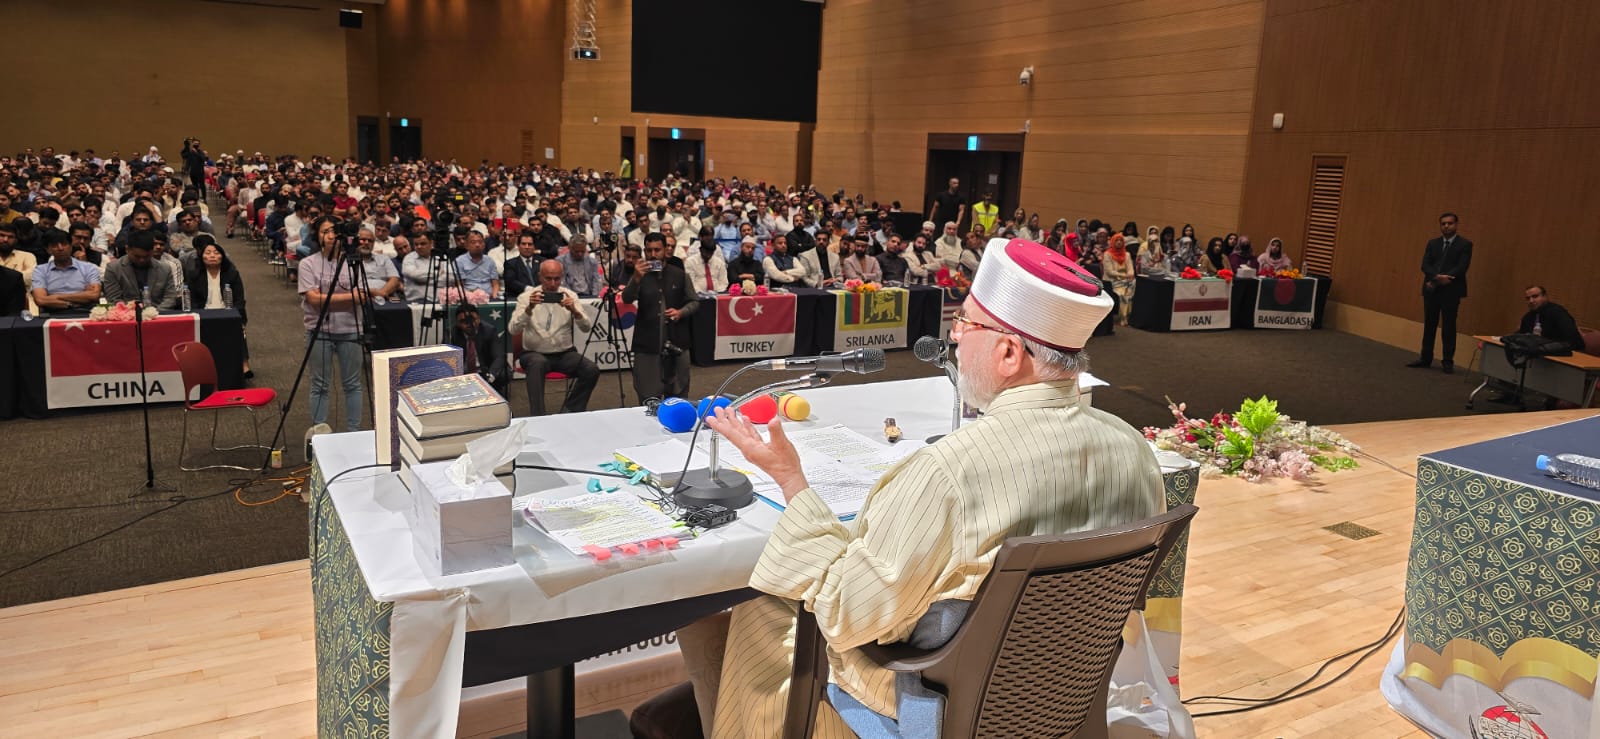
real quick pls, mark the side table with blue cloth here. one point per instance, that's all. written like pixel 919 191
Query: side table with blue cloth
pixel 1502 590
pixel 221 330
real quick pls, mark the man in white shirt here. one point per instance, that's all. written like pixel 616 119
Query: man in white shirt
pixel 422 274
pixel 545 318
pixel 707 270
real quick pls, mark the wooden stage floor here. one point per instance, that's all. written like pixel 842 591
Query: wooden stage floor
pixel 1270 595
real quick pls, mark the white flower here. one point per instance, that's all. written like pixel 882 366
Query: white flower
pixel 150 313
pixel 97 313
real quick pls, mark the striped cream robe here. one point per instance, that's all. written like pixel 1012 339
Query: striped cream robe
pixel 1038 462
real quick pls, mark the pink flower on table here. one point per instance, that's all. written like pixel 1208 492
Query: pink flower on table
pixel 735 290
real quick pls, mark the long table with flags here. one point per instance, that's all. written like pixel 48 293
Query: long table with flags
pixel 802 321
pixel 1166 304
pixel 49 364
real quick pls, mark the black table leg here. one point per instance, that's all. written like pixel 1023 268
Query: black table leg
pixel 552 703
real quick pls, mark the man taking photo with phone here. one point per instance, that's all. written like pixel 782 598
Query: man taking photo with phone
pixel 545 317
pixel 661 337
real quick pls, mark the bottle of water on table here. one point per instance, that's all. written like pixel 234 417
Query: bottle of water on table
pixel 183 299
pixel 227 297
pixel 1574 468
pixel 144 296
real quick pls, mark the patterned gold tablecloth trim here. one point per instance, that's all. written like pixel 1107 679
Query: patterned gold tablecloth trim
pixel 1164 614
pixel 1560 663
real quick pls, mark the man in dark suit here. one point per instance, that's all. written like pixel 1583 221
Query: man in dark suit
pixel 522 270
pixel 483 350
pixel 1444 284
pixel 13 292
pixel 666 300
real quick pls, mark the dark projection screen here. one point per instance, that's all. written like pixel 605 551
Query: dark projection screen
pixel 727 58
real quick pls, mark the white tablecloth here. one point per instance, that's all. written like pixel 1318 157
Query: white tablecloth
pixel 432 614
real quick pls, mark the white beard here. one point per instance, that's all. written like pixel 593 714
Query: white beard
pixel 976 384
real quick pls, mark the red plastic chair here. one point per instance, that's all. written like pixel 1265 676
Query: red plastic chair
pixel 198 368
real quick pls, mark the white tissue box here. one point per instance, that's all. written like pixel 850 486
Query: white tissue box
pixel 457 529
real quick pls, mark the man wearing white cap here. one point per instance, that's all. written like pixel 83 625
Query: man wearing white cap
pixel 1040 461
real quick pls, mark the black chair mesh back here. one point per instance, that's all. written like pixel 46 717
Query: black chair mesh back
pixel 1055 652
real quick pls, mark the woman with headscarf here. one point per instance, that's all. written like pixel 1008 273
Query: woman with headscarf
pixel 1056 240
pixel 1153 262
pixel 1214 258
pixel 1152 242
pixel 1117 268
pixel 1184 256
pixel 1071 246
pixel 213 272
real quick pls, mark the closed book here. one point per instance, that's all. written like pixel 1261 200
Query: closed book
pixel 452 405
pixel 439 447
pixel 394 370
pixel 408 459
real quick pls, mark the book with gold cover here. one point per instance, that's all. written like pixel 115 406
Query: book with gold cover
pixel 452 405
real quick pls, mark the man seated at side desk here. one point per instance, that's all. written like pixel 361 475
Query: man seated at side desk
pixel 929 530
pixel 1546 319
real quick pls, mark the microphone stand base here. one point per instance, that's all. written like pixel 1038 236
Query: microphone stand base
pixel 933 438
pixel 728 488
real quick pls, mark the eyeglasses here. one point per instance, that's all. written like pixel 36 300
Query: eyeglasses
pixel 962 324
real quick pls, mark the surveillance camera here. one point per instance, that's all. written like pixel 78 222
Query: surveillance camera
pixel 1026 76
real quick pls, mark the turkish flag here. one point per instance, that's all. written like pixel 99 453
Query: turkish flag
pixel 750 326
pixel 97 362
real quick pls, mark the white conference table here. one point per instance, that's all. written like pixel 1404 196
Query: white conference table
pixel 394 643
pixel 431 615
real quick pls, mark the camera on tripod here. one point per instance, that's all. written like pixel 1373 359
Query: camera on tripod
pixel 348 234
pixel 670 350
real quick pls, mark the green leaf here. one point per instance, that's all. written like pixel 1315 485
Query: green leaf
pixel 1333 463
pixel 1237 446
pixel 1257 416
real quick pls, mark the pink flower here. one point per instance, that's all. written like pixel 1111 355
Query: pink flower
pixel 1188 437
pixel 761 289
pixel 735 290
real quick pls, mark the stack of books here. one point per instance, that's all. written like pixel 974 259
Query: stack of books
pixel 394 370
pixel 437 419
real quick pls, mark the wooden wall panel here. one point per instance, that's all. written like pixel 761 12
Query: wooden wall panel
pixel 1473 106
pixel 114 75
pixel 1139 109
pixel 597 102
pixel 475 74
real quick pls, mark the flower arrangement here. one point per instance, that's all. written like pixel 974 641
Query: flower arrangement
pixel 748 287
pixel 946 278
pixel 453 295
pixel 1190 273
pixel 1287 274
pixel 1226 274
pixel 857 286
pixel 1255 443
pixel 120 311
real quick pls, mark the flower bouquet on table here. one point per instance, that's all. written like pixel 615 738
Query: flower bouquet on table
pixel 859 286
pixel 1190 273
pixel 1255 443
pixel 120 311
pixel 955 284
pixel 1287 274
pixel 1225 274
pixel 454 296
pixel 748 287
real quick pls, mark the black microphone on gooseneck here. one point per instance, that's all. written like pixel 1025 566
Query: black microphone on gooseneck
pixel 936 351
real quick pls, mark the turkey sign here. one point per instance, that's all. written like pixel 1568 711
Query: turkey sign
pixel 755 326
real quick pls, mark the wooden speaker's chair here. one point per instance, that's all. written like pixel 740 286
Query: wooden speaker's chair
pixel 1032 654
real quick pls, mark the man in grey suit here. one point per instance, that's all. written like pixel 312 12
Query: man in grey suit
pixel 126 277
pixel 1444 283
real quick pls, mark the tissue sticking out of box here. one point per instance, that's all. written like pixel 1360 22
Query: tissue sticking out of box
pixel 486 453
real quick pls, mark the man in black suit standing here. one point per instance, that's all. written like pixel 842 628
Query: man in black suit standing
pixel 661 337
pixel 522 270
pixel 1444 284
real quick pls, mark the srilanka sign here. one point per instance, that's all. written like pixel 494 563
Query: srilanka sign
pixel 97 362
pixel 1201 304
pixel 871 319
pixel 752 326
pixel 1284 303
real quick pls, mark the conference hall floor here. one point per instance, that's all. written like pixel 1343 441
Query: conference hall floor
pixel 77 478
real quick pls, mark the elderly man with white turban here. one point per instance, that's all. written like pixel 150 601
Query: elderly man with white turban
pixel 1040 461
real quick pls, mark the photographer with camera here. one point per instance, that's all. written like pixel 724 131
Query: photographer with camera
pixel 661 338
pixel 340 332
pixel 545 317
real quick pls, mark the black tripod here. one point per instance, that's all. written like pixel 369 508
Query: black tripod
pixel 442 274
pixel 611 336
pixel 150 483
pixel 311 344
